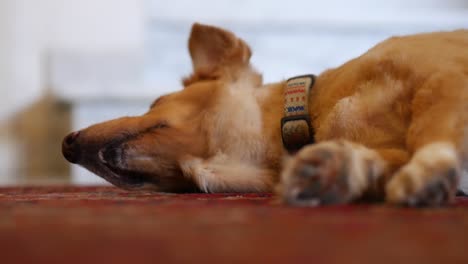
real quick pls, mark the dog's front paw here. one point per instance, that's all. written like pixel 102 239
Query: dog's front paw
pixel 330 173
pixel 413 190
pixel 430 179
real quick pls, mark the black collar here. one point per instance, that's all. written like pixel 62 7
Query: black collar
pixel 296 128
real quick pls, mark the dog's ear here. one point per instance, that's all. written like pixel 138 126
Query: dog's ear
pixel 213 49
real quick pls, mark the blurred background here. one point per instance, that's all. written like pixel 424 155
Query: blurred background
pixel 66 64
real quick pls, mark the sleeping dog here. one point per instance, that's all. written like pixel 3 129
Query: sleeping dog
pixel 390 125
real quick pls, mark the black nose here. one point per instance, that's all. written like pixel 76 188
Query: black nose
pixel 69 147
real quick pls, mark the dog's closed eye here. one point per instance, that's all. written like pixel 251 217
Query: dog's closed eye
pixel 159 125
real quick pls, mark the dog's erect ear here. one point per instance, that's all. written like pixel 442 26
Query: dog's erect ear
pixel 213 48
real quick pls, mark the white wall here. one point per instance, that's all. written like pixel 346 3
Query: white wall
pixel 292 37
pixel 94 25
pixel 31 30
pixel 292 11
pixel 20 59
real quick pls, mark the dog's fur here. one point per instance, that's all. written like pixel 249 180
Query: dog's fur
pixel 392 123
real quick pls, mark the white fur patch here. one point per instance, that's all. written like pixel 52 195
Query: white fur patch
pixel 195 168
pixel 237 121
pixel 221 174
pixel 241 106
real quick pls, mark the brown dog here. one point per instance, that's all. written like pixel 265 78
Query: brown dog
pixel 392 123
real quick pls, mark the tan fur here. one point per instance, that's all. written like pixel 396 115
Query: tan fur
pixel 397 114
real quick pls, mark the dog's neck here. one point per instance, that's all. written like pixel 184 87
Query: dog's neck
pixel 271 100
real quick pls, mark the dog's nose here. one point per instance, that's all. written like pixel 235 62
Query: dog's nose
pixel 69 147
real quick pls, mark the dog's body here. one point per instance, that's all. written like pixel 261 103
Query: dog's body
pixel 392 123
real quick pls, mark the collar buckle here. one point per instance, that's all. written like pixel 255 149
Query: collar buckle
pixel 296 132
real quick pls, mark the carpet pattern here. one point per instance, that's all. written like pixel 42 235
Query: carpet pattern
pixel 108 225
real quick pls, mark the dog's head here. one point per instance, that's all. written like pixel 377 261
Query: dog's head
pixel 146 151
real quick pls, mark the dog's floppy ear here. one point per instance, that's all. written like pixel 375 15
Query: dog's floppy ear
pixel 213 49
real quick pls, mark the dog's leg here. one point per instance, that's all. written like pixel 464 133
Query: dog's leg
pixel 438 137
pixel 337 172
pixel 220 174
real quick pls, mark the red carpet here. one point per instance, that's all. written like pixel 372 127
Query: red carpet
pixel 107 225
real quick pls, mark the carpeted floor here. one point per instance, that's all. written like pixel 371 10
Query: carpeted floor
pixel 107 225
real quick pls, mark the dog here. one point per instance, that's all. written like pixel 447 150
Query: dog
pixel 390 125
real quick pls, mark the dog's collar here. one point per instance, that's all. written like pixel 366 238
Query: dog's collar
pixel 296 129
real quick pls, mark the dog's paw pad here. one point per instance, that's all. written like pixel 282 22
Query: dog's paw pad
pixel 317 176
